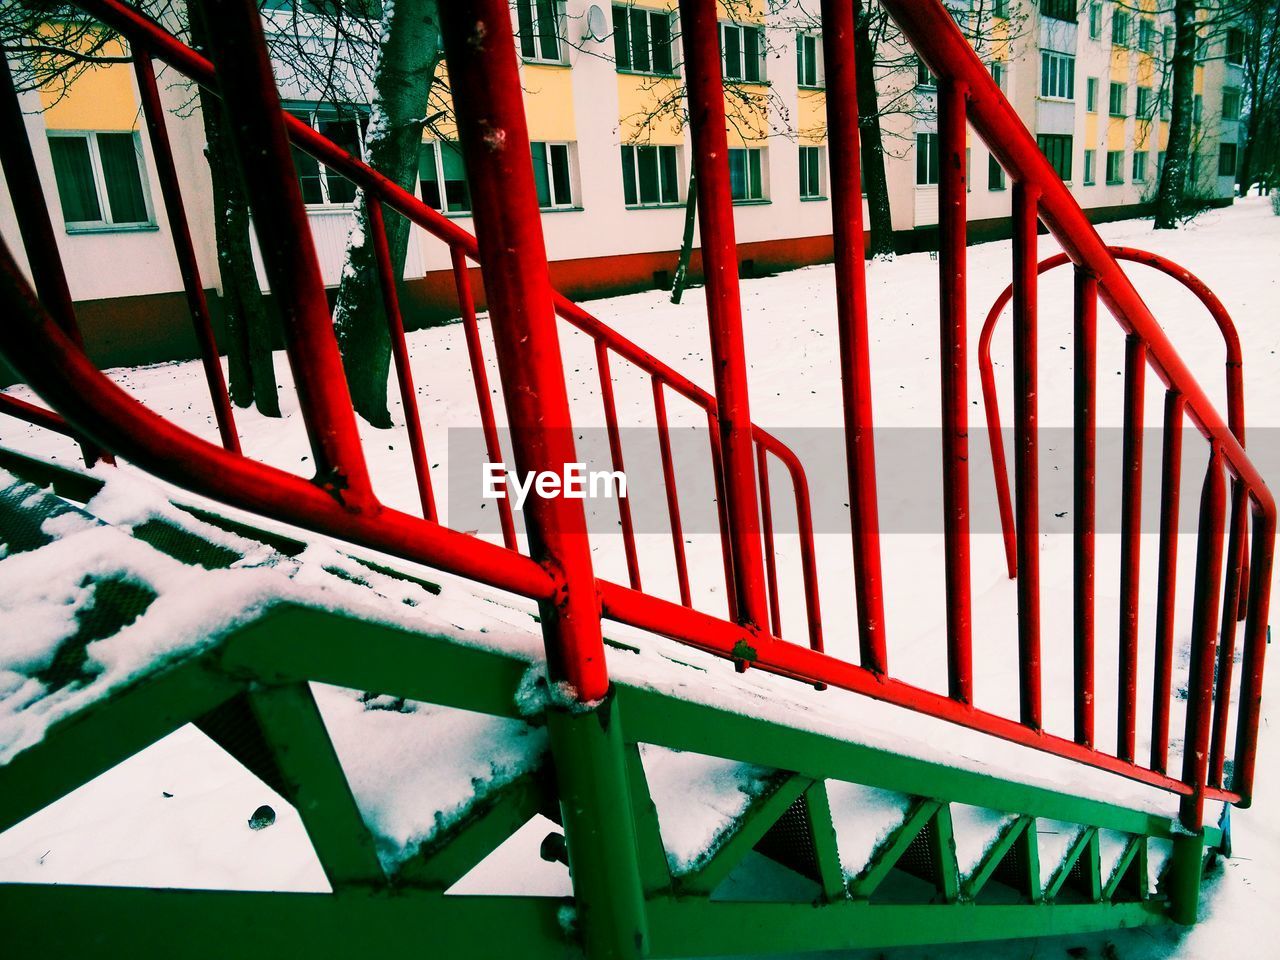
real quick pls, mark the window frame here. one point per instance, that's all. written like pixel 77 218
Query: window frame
pixel 759 182
pixel 1239 103
pixel 996 177
pixel 926 79
pixel 1146 35
pixel 819 151
pixel 1142 102
pixel 639 203
pixel 570 174
pixel 1090 167
pixel 1121 28
pixel 931 153
pixel 1137 175
pixel 1095 21
pixel 1061 148
pixel 1111 99
pixel 650 16
pixel 819 63
pixel 1234 33
pixel 438 148
pixel 1091 85
pixel 536 36
pixel 1052 63
pixel 105 224
pixel 761 59
pixel 314 113
pixel 1235 159
pixel 1119 165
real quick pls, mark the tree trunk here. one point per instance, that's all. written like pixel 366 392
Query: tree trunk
pixel 1173 178
pixel 402 84
pixel 686 242
pixel 248 332
pixel 874 183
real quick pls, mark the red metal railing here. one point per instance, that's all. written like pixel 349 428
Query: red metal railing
pixel 511 254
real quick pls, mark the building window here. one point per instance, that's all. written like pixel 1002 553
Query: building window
pixel 1091 94
pixel 1194 161
pixel 442 178
pixel 812 174
pixel 1057 75
pixel 1090 167
pixel 809 71
pixel 346 128
pixel 995 173
pixel 743 52
pixel 1059 9
pixel 1095 21
pixel 998 72
pixel 1057 147
pixel 1227 160
pixel 1120 28
pixel 1235 46
pixel 1144 101
pixel 924 76
pixel 1166 46
pixel 642 41
pixel 540 25
pixel 1000 8
pixel 746 173
pixel 1202 48
pixel 1166 106
pixel 1116 101
pixel 926 159
pixel 553 174
pixel 99 177
pixel 1230 103
pixel 1146 35
pixel 650 176
pixel 1197 108
pixel 1139 166
pixel 1159 164
pixel 1115 166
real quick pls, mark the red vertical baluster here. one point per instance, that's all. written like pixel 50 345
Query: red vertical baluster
pixel 770 557
pixel 480 377
pixel 722 513
pixel 1195 754
pixel 180 230
pixel 851 312
pixel 615 455
pixel 248 88
pixel 400 353
pixel 955 404
pixel 1135 373
pixel 705 90
pixel 1227 641
pixel 1166 587
pixel 485 79
pixel 1026 442
pixel 1256 635
pixel 673 498
pixel 1085 500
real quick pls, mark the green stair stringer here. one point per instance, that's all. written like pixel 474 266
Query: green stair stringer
pixel 262 669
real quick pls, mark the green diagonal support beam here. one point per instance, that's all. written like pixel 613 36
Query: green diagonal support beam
pixel 762 814
pixel 886 857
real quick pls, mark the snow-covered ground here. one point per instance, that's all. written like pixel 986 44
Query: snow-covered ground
pixel 794 370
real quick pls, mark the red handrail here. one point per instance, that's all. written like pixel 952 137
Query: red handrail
pixel 986 370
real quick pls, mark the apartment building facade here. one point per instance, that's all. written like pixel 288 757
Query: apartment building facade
pixel 603 96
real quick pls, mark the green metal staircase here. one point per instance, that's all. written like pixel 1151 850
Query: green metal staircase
pixel 1055 863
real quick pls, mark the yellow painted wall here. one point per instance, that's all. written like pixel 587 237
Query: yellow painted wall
pixel 748 114
pixel 641 119
pixel 548 101
pixel 1115 133
pixel 101 98
pixel 742 11
pixel 1091 130
pixel 1120 64
pixel 811 117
